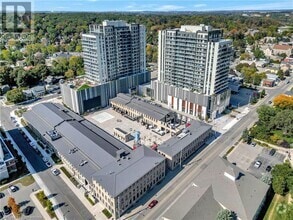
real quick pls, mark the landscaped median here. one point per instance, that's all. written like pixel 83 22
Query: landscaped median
pixel 70 177
pixel 46 203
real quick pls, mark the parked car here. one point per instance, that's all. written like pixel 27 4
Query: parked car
pixel 153 203
pixel 55 171
pixel 253 144
pixel 13 188
pixel 1 215
pixel 45 159
pixel 2 195
pixel 28 210
pixel 272 152
pixel 257 164
pixel 6 210
pixel 48 164
pixel 269 168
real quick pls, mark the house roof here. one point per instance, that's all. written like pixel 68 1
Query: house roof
pixel 244 195
pixel 282 47
pixel 175 144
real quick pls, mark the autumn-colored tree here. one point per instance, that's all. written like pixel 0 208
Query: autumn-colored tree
pixel 16 210
pixel 14 207
pixel 283 101
pixel 11 201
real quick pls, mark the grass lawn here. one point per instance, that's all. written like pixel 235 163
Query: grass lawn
pixel 84 86
pixel 277 207
pixel 25 181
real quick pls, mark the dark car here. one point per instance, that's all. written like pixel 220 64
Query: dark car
pixel 1 215
pixel 153 203
pixel 272 152
pixel 269 168
pixel 6 210
pixel 2 195
pixel 28 210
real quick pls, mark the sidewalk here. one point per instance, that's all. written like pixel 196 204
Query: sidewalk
pixel 95 210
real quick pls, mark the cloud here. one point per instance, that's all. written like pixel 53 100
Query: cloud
pixel 169 8
pixel 200 5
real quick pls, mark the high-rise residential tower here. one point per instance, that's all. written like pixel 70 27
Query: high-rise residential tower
pixel 114 54
pixel 114 49
pixel 193 70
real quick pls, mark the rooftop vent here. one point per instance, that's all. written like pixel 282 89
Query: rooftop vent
pixel 54 135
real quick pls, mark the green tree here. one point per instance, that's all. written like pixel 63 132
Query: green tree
pixel 69 74
pixel 282 178
pixel 263 93
pixel 283 121
pixel 279 185
pixel 15 95
pixel 245 135
pixel 258 53
pixel 6 76
pixel 75 63
pixel 265 115
pixel 226 214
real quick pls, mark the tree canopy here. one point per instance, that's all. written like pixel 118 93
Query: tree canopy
pixel 282 178
pixel 226 214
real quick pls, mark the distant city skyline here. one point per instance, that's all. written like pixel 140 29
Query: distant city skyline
pixel 154 5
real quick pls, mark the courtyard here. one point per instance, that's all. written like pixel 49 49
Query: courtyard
pixel 108 119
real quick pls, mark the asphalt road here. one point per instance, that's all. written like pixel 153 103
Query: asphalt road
pixel 68 202
pixel 170 193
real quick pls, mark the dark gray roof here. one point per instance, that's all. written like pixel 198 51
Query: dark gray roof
pixel 144 107
pixel 243 196
pixel 195 204
pixel 175 144
pixel 94 145
pixel 116 177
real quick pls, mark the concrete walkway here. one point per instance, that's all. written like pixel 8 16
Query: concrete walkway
pixel 95 210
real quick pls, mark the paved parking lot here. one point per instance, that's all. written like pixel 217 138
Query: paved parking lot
pixel 266 160
pixel 108 119
pixel 245 156
pixel 22 197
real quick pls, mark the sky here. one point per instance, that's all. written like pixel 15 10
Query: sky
pixel 158 5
